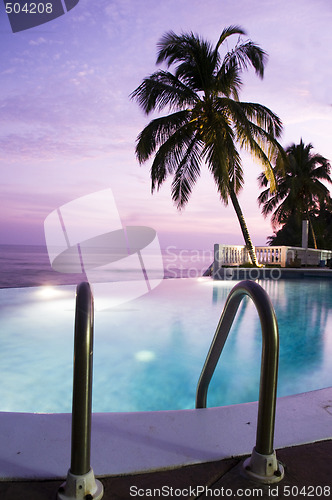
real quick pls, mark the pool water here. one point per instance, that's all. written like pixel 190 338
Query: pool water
pixel 148 353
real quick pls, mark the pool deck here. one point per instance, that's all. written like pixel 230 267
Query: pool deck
pixel 179 449
pixel 307 469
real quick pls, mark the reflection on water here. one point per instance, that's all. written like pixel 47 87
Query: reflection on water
pixel 303 309
pixel 172 372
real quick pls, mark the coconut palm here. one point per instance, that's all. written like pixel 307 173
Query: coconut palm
pixel 207 123
pixel 299 188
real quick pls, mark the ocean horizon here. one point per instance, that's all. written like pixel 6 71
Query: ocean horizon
pixel 29 265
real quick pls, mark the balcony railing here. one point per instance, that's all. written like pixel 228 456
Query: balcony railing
pixel 237 255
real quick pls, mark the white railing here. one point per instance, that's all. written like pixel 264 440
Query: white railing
pixel 230 254
pixel 237 255
pixel 273 255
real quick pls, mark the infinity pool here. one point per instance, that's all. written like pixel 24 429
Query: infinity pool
pixel 148 353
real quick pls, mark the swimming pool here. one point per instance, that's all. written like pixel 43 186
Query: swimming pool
pixel 148 353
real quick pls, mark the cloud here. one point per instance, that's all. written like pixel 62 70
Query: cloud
pixel 43 147
pixel 38 41
pixel 8 71
pixel 49 146
pixel 83 117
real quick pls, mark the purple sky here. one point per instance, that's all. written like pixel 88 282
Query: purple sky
pixel 68 127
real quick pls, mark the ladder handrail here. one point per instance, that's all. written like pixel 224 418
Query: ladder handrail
pixel 81 482
pixel 82 381
pixel 269 361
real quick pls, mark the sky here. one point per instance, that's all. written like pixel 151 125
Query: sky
pixel 68 127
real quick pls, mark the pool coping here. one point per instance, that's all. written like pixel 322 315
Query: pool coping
pixel 238 273
pixel 37 446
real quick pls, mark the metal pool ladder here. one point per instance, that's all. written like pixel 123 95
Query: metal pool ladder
pixel 81 482
pixel 263 465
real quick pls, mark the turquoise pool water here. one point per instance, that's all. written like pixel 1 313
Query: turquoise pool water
pixel 148 353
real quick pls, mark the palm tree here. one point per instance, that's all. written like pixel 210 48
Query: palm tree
pixel 206 122
pixel 299 188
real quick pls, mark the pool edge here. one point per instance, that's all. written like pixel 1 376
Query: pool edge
pixel 37 446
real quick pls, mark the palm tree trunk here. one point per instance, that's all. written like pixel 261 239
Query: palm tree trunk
pixel 312 232
pixel 244 228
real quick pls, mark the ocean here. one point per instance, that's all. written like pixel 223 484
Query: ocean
pixel 29 265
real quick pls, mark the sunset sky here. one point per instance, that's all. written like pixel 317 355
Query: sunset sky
pixel 68 127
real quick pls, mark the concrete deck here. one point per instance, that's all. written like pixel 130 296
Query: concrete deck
pixel 307 469
pixel 37 446
pixel 179 449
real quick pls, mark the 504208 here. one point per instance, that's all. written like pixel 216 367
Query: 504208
pixel 29 8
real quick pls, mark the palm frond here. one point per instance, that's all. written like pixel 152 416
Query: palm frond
pixel 186 174
pixel 246 54
pixel 170 154
pixel 278 216
pixel 229 82
pixel 263 180
pixel 221 156
pixel 194 58
pixel 269 202
pixel 323 170
pixel 172 47
pixel 181 48
pixel 228 31
pixel 261 143
pixel 157 132
pixel 264 196
pixel 162 89
pixel 263 117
